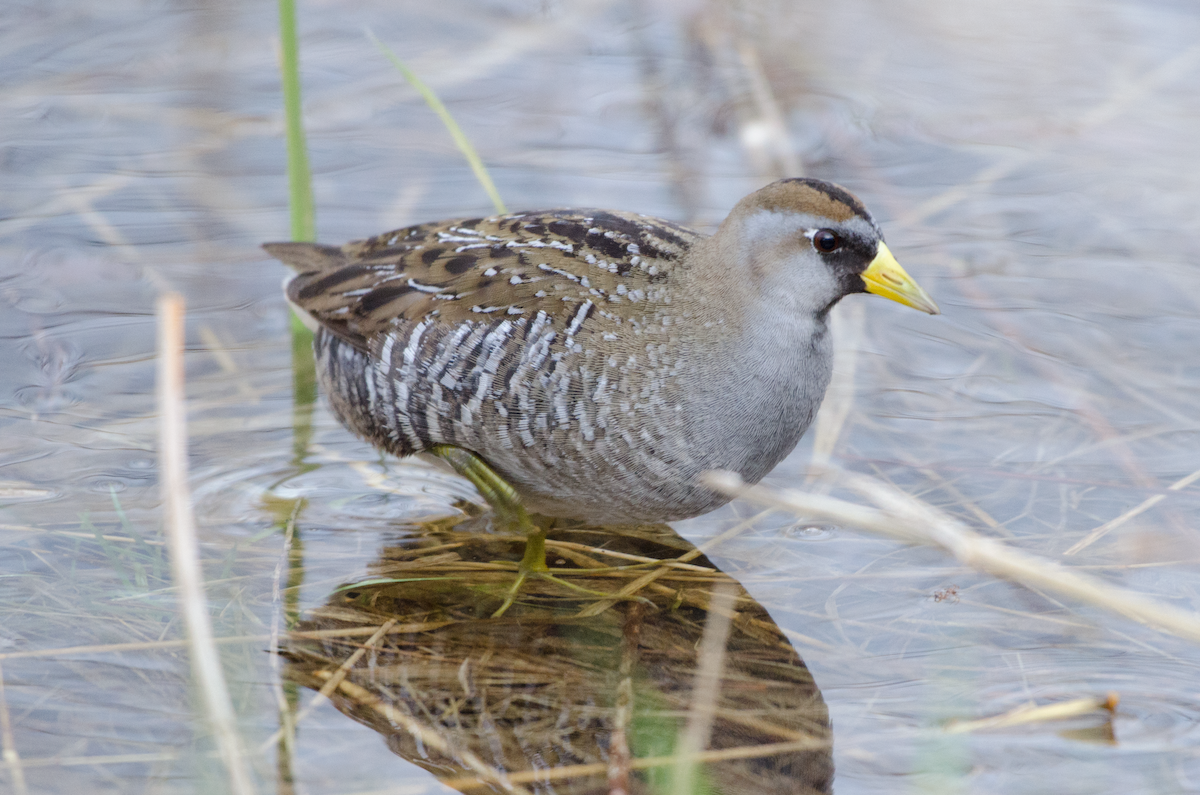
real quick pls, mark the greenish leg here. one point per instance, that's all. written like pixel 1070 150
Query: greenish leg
pixel 509 510
pixel 534 558
pixel 502 497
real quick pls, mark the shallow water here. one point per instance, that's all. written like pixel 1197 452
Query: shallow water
pixel 1032 167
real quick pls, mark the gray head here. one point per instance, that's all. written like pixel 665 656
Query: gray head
pixel 806 243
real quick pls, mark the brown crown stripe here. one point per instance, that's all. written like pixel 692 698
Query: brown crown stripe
pixel 804 196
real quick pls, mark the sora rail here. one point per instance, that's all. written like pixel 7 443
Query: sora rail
pixel 595 361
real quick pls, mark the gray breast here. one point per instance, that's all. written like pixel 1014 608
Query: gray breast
pixel 581 429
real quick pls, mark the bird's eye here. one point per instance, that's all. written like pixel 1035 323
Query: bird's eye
pixel 826 241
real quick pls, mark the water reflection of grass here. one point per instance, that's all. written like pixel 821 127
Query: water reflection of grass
pixel 115 573
pixel 136 562
pixel 559 690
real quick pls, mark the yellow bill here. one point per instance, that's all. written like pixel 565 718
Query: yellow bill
pixel 885 277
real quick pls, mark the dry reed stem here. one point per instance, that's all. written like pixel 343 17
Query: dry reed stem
pixel 1116 104
pixel 18 528
pixel 8 744
pixel 1103 112
pixel 430 737
pixel 330 685
pixel 598 607
pixel 66 199
pixel 287 729
pixel 904 518
pixel 1034 714
pixel 113 759
pixel 965 502
pixel 1107 437
pixel 163 645
pixel 620 758
pixel 612 553
pixel 778 140
pixel 849 321
pixel 645 763
pixel 183 547
pixel 218 350
pixel 1146 505
pixel 706 687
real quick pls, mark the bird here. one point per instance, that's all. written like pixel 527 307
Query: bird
pixel 592 364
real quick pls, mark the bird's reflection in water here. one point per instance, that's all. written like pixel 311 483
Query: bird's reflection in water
pixel 568 692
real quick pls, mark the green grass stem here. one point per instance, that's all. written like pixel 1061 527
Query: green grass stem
pixel 304 226
pixel 300 195
pixel 460 138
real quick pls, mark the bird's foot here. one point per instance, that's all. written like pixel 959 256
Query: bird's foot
pixel 533 563
pixel 510 512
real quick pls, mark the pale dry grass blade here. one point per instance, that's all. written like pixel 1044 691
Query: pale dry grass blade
pixel 83 535
pixel 184 549
pixel 87 761
pixel 218 350
pixel 329 686
pixel 906 519
pixel 620 756
pixel 1146 505
pixel 1122 99
pixel 706 688
pixel 612 553
pixel 965 501
pixel 427 735
pixel 1027 714
pixel 599 606
pixel 73 198
pixel 165 645
pixel 287 721
pixel 849 320
pixel 8 745
pixel 771 130
pixel 647 763
pixel 1132 92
